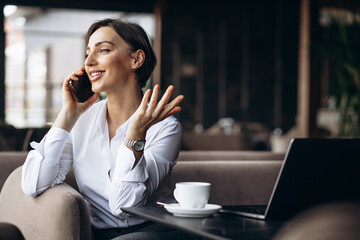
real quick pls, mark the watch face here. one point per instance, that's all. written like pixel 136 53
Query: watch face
pixel 139 145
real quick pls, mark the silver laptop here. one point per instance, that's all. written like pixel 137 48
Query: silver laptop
pixel 314 171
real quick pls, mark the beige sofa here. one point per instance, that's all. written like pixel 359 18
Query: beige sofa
pixel 61 213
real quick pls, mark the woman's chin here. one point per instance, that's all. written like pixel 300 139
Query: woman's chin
pixel 96 89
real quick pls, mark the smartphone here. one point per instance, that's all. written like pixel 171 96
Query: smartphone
pixel 82 87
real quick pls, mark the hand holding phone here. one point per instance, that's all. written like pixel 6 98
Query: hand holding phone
pixel 82 87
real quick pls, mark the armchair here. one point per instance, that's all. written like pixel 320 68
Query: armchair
pixel 58 213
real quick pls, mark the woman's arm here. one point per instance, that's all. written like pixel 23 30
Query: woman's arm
pixel 151 112
pixel 51 159
pixel 138 173
pixel 48 163
pixel 132 186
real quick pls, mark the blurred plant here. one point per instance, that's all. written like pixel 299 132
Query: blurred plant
pixel 343 52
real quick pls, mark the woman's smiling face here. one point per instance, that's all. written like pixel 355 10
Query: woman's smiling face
pixel 108 62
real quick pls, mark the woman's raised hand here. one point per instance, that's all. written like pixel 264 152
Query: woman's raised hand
pixel 153 111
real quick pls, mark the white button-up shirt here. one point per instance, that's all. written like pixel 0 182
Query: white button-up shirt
pixel 103 167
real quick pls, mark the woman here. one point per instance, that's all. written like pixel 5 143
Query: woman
pixel 104 141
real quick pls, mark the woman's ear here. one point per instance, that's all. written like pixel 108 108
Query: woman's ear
pixel 138 59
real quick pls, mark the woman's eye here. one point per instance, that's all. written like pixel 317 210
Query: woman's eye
pixel 104 50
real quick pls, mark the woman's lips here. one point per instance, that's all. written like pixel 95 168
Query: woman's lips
pixel 96 75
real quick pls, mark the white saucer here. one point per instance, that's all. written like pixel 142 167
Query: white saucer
pixel 177 210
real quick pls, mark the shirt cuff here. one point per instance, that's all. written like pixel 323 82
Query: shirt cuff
pixel 123 169
pixel 54 142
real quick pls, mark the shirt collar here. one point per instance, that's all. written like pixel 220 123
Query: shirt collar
pixel 121 131
pixel 101 121
pixel 101 117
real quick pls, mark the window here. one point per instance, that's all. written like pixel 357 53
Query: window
pixel 43 46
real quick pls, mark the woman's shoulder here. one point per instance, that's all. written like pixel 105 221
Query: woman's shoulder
pixel 169 124
pixel 170 121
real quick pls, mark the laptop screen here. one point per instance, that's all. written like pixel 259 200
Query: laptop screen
pixel 315 171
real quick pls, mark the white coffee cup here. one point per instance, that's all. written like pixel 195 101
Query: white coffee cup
pixel 192 194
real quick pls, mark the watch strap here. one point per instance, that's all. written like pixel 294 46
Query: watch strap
pixel 131 143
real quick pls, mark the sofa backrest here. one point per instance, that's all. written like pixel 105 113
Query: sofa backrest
pixel 9 161
pixel 201 155
pixel 233 182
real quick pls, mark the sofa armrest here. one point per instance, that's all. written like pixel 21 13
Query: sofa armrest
pixel 58 213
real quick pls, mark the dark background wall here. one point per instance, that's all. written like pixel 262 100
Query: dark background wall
pixel 245 56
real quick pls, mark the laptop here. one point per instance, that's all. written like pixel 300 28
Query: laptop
pixel 314 171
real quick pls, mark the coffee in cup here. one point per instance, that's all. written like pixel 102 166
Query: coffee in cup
pixel 192 194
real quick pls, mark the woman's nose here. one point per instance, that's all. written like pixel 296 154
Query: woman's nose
pixel 90 60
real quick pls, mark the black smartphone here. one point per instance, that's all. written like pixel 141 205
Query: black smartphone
pixel 82 87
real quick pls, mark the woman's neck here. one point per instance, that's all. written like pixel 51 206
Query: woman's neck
pixel 121 106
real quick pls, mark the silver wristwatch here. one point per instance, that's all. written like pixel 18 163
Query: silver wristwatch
pixel 136 145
